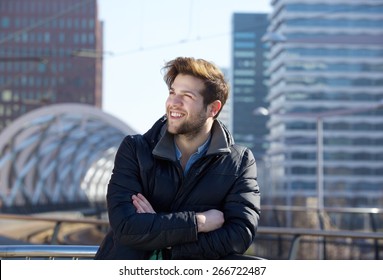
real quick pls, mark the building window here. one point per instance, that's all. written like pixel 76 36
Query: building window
pixel 6 95
pixel 47 37
pixel 244 45
pixel 249 54
pixel 62 37
pixel 244 35
pixel 247 82
pixel 244 72
pixel 5 22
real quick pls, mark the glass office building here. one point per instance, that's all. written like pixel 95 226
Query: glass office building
pixel 249 80
pixel 50 52
pixel 225 116
pixel 326 58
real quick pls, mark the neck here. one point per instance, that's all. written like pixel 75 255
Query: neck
pixel 189 143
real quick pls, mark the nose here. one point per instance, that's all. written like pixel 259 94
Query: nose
pixel 174 99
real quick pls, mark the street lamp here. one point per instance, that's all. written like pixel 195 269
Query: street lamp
pixel 319 136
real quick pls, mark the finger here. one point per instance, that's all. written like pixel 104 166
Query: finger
pixel 142 204
pixel 145 204
pixel 138 207
pixel 143 199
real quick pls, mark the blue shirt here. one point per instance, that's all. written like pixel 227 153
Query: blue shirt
pixel 194 157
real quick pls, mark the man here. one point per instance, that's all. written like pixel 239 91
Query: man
pixel 183 190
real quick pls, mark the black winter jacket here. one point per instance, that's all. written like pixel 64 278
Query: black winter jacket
pixel 225 178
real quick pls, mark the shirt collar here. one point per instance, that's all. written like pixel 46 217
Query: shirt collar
pixel 201 149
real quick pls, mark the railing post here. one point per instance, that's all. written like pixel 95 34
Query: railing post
pixel 55 234
pixel 278 223
pixel 294 247
pixel 374 229
pixel 321 240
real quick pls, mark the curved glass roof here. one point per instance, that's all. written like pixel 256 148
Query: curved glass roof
pixel 58 154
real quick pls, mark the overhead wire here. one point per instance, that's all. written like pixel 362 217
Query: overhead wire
pixel 214 36
pixel 141 48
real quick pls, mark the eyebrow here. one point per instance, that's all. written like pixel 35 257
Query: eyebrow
pixel 186 91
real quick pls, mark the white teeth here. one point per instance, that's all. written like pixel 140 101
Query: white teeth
pixel 174 114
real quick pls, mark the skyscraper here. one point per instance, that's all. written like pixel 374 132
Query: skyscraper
pixel 326 58
pixel 50 52
pixel 226 114
pixel 249 80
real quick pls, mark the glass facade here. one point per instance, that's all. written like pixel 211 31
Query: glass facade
pixel 42 43
pixel 328 58
pixel 249 81
pixel 58 157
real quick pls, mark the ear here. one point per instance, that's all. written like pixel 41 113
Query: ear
pixel 214 108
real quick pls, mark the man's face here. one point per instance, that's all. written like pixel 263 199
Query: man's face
pixel 185 110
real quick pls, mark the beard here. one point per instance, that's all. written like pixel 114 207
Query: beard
pixel 191 127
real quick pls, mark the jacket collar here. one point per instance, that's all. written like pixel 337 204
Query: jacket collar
pixel 221 140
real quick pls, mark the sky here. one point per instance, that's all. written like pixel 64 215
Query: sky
pixel 141 35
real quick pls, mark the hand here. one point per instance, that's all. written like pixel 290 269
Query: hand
pixel 209 220
pixel 142 204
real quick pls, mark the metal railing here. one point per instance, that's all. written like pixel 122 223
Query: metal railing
pixel 57 222
pixel 51 252
pixel 335 229
pixel 89 251
pixel 298 235
pixel 294 237
pixel 370 213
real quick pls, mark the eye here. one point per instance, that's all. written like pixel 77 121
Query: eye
pixel 188 95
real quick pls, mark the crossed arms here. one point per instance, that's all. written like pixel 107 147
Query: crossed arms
pixel 206 221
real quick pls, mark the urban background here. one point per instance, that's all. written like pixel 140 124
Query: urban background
pixel 306 96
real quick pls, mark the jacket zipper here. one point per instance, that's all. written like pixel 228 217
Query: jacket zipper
pixel 180 194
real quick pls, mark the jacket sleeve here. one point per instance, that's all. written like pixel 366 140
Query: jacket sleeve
pixel 241 212
pixel 142 231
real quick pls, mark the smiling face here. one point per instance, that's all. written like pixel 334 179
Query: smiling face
pixel 185 109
